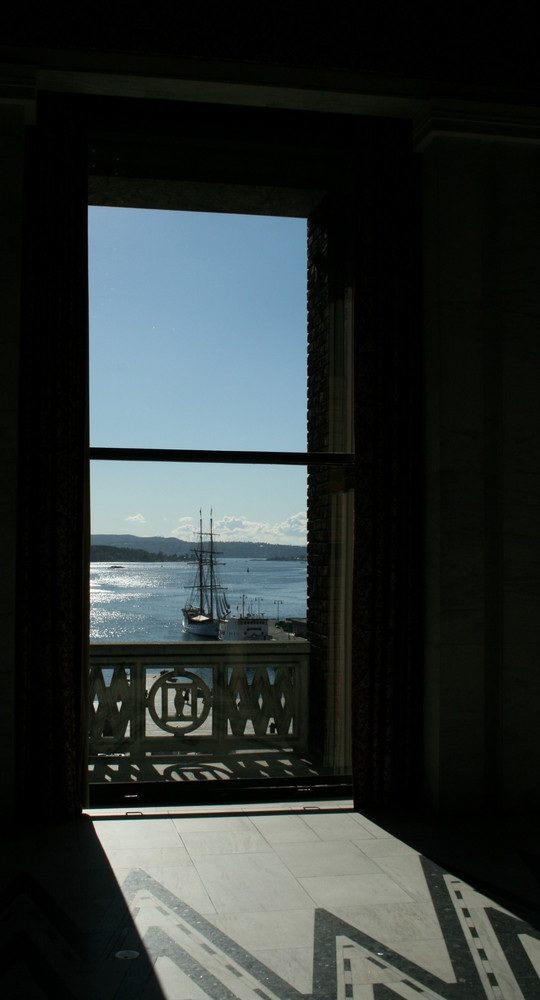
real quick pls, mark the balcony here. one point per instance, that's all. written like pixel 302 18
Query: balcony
pixel 198 712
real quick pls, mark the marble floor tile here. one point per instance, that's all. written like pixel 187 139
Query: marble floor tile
pixel 337 826
pixel 186 884
pixel 431 955
pixel 394 921
pixel 316 859
pixel 175 983
pixel 272 929
pixel 249 882
pixel 145 856
pixel 243 841
pixel 335 892
pixel 295 965
pixel 406 871
pixel 284 829
pixel 368 825
pixel 201 823
pixel 134 832
pixel 384 847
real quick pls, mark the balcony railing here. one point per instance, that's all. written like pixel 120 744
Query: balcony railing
pixel 208 698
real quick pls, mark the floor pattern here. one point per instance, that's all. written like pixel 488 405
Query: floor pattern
pixel 259 905
pixel 491 953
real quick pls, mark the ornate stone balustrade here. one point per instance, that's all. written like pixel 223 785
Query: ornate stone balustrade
pixel 209 697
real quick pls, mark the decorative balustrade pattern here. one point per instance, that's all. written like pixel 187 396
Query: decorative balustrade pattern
pixel 153 698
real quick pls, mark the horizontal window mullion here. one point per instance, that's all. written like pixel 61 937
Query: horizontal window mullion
pixel 220 457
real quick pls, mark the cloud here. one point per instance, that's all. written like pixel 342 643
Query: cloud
pixel 291 531
pixel 239 528
pixel 185 529
pixel 140 518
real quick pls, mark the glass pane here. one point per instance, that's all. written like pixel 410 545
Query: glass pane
pixel 145 542
pixel 198 330
pixel 168 704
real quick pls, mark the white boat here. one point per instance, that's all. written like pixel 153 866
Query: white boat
pixel 208 603
pixel 238 628
pixel 242 627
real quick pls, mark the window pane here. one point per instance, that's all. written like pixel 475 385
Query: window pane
pixel 198 330
pixel 140 510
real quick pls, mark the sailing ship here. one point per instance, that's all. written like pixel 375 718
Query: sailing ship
pixel 207 603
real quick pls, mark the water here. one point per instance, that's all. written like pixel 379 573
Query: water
pixel 142 602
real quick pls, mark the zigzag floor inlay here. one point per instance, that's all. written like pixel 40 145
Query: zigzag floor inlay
pixel 347 963
pixel 67 940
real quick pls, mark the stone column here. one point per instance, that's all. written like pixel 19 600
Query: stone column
pixel 481 250
pixel 330 507
pixel 16 111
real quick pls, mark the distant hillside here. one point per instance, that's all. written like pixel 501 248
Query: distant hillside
pixel 116 554
pixel 177 547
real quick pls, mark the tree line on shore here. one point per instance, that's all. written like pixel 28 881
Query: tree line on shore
pixel 112 553
pixel 136 548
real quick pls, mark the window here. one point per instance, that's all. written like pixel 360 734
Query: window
pixel 258 458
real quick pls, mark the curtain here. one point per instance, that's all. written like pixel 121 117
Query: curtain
pixel 387 574
pixel 51 697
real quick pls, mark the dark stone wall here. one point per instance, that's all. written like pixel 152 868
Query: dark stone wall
pixel 457 44
pixel 51 681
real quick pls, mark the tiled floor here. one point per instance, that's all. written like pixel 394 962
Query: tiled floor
pixel 266 902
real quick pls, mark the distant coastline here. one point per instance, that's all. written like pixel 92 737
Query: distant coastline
pixel 134 548
pixel 299 558
pixel 115 554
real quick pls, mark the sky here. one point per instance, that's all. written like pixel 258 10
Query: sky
pixel 198 339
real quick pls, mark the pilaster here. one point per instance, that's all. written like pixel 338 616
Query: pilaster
pixel 481 253
pixel 16 111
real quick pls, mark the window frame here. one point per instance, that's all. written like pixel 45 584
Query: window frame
pixel 161 170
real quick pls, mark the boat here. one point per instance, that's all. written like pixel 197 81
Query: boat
pixel 240 627
pixel 207 604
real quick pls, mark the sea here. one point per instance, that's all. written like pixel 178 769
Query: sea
pixel 142 602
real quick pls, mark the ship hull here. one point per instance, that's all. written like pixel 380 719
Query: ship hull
pixel 206 628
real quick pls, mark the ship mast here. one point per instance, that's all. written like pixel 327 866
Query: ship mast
pixel 201 586
pixel 211 565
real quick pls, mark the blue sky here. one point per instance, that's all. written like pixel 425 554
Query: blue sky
pixel 197 340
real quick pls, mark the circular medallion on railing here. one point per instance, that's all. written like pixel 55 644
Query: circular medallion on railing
pixel 179 702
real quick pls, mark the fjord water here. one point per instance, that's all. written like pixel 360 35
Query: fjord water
pixel 142 602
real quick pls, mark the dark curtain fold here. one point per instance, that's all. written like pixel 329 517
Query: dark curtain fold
pixel 53 511
pixel 387 584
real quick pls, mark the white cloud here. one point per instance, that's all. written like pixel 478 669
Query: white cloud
pixel 185 529
pixel 140 518
pixel 291 531
pixel 234 528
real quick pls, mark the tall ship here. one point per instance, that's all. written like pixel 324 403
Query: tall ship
pixel 207 603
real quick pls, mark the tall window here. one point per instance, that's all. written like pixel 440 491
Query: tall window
pixel 198 343
pixel 200 392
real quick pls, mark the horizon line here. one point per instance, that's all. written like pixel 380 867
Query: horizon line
pixel 188 541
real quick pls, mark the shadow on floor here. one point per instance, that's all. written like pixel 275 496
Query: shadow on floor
pixel 255 763
pixel 258 774
pixel 498 855
pixel 66 931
